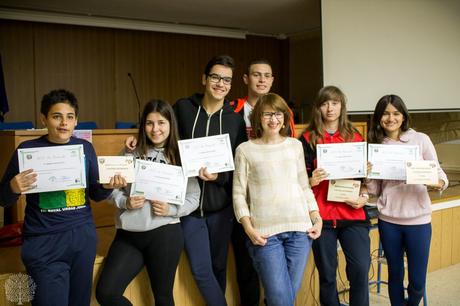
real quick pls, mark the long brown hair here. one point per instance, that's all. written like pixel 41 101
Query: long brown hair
pixel 316 125
pixel 171 149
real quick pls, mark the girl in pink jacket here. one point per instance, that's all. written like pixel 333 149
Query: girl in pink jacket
pixel 404 210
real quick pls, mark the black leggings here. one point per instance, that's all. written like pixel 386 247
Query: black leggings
pixel 158 249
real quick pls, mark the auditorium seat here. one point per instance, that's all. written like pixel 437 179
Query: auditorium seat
pixel 125 125
pixel 86 125
pixel 18 125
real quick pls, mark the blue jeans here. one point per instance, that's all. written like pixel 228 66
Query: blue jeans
pixel 280 264
pixel 414 240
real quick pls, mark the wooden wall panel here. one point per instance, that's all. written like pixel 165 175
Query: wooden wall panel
pixel 456 235
pixel 434 262
pixel 446 237
pixel 170 66
pixel 17 50
pixel 94 64
pixel 79 59
pixel 305 73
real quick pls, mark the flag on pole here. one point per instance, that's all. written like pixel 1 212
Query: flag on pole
pixel 4 108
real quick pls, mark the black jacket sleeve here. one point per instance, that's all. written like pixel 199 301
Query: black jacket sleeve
pixel 310 155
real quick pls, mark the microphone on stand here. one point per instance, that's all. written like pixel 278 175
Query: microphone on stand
pixel 137 98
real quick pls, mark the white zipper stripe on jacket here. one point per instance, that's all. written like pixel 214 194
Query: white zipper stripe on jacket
pixel 207 131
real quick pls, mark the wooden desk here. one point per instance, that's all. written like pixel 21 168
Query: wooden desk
pixel 105 142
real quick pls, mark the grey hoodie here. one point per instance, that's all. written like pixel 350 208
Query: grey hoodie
pixel 143 219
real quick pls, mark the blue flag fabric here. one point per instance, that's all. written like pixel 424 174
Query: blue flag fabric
pixel 4 108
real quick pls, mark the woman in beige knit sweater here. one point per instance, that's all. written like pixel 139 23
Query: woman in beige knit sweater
pixel 273 201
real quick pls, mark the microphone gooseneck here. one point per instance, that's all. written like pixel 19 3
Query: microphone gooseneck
pixel 137 98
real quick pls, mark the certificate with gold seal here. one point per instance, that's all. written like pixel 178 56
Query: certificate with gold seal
pixel 115 165
pixel 422 172
pixel 342 190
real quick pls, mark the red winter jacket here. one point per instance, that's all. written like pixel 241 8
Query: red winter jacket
pixel 329 210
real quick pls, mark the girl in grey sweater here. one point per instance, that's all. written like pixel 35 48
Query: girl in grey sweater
pixel 148 232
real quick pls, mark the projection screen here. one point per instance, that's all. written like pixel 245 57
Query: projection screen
pixel 410 48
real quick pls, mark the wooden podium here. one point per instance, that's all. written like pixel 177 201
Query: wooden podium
pixel 105 142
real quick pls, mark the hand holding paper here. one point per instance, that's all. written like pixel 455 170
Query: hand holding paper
pixel 135 202
pixel 160 208
pixel 117 181
pixel 23 181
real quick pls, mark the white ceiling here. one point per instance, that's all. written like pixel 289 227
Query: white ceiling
pixel 262 17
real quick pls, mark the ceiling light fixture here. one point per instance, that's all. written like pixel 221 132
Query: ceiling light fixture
pixel 119 23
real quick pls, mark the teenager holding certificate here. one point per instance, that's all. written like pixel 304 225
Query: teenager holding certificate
pixel 346 222
pixel 273 201
pixel 207 230
pixel 148 232
pixel 59 236
pixel 404 209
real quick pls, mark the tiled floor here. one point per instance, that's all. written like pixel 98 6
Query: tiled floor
pixel 443 289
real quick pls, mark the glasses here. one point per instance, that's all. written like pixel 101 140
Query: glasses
pixel 215 78
pixel 269 115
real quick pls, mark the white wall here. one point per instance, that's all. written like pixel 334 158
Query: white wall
pixel 407 47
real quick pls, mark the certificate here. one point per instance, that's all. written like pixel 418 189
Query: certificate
pixel 113 165
pixel 57 167
pixel 342 160
pixel 422 172
pixel 389 161
pixel 161 182
pixel 213 152
pixel 342 190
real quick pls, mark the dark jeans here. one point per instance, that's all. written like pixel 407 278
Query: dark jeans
pixel 246 275
pixel 355 244
pixel 206 243
pixel 414 240
pixel 61 266
pixel 158 250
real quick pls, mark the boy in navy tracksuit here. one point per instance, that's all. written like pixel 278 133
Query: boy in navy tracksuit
pixel 59 236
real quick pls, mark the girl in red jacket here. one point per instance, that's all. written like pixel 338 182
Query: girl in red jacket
pixel 346 222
